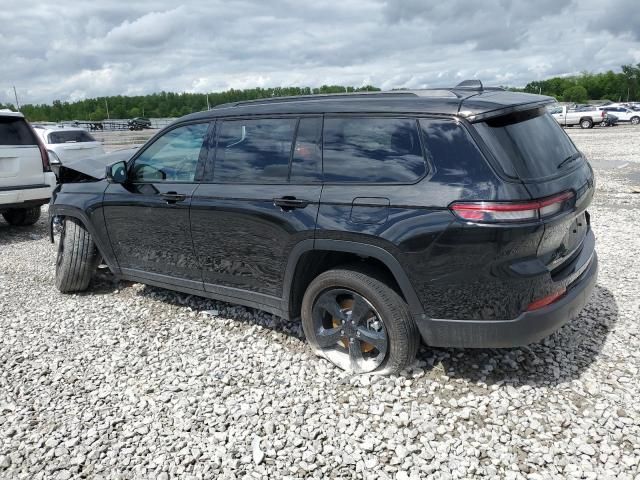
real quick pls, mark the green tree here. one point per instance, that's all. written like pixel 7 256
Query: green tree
pixel 576 94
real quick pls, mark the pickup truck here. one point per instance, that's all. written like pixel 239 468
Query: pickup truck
pixel 586 117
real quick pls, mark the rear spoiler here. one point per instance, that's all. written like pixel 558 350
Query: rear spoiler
pixel 481 117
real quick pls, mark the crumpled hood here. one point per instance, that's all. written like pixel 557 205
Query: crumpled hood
pixel 92 167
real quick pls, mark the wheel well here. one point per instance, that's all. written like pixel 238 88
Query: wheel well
pixel 313 263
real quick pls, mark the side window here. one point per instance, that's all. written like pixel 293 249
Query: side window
pixel 254 151
pixel 173 157
pixel 453 153
pixel 306 163
pixel 367 150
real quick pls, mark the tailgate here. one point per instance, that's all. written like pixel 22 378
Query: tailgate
pixel 530 147
pixel 563 236
pixel 20 166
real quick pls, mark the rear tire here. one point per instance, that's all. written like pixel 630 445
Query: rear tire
pixel 21 217
pixel 363 308
pixel 635 120
pixel 586 123
pixel 77 258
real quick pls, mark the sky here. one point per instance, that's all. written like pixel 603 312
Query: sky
pixel 70 50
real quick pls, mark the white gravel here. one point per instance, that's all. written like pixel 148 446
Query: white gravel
pixel 129 381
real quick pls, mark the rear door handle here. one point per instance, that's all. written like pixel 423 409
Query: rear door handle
pixel 289 203
pixel 173 197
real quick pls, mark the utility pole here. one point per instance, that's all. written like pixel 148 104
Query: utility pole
pixel 208 107
pixel 107 105
pixel 16 95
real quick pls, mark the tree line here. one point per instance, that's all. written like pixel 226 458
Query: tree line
pixel 163 104
pixel 620 86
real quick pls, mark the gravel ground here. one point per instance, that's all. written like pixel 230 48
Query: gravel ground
pixel 129 381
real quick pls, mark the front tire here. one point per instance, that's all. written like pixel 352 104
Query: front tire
pixel 21 217
pixel 635 120
pixel 359 323
pixel 77 257
pixel 586 123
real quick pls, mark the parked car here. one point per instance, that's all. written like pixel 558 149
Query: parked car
pixel 66 144
pixel 456 217
pixel 585 117
pixel 624 114
pixel 26 180
pixel 139 123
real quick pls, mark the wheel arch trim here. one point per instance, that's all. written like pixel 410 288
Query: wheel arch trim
pixel 77 213
pixel 345 246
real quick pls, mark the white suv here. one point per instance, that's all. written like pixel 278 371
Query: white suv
pixel 67 144
pixel 26 179
pixel 624 114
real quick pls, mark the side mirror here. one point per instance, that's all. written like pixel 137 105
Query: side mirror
pixel 117 172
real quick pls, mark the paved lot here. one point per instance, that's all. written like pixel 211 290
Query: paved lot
pixel 129 381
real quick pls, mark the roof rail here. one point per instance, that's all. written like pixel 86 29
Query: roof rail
pixel 436 92
pixel 320 96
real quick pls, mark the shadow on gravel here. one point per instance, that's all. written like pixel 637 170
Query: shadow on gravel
pixel 561 357
pixel 10 235
pixel 205 306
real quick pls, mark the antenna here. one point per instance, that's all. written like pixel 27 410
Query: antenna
pixel 470 85
pixel 16 95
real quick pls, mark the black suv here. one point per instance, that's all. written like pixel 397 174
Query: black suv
pixel 455 216
pixel 138 123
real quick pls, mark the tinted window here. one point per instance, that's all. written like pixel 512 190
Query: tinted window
pixel 254 151
pixel 306 164
pixel 529 145
pixel 15 131
pixel 172 157
pixel 453 152
pixel 70 136
pixel 372 150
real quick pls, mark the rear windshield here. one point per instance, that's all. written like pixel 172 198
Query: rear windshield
pixel 15 131
pixel 529 145
pixel 71 136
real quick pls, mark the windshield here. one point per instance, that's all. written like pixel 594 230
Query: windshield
pixel 529 145
pixel 70 136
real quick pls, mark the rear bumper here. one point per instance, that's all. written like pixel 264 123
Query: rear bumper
pixel 23 196
pixel 529 327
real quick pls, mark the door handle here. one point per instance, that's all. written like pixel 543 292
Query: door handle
pixel 289 203
pixel 173 197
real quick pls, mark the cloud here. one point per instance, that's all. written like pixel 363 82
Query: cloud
pixel 55 50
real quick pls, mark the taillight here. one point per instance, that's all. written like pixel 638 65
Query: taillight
pixel 46 166
pixel 548 300
pixel 498 212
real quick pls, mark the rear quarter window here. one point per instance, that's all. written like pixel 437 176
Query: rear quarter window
pixel 16 131
pixel 454 154
pixel 372 150
pixel 529 145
